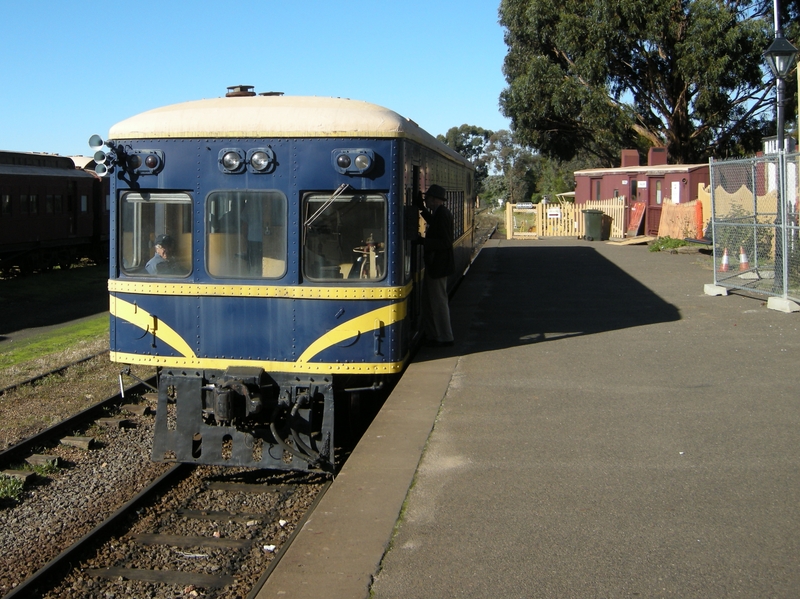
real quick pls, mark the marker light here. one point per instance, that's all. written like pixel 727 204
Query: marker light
pixel 145 162
pixel 356 161
pixel 363 162
pixel 231 160
pixel 260 160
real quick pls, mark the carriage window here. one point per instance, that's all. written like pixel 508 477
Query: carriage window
pixel 156 234
pixel 246 234
pixel 344 237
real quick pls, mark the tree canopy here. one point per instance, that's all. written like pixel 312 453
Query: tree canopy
pixel 597 76
pixel 509 170
pixel 471 142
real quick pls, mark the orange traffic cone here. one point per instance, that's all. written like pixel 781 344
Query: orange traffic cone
pixel 725 266
pixel 744 263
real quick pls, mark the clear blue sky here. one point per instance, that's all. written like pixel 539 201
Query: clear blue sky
pixel 73 69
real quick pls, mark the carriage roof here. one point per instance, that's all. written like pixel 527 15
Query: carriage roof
pixel 275 116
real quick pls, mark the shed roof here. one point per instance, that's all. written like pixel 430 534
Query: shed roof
pixel 662 169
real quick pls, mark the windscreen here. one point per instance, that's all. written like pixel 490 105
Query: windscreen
pixel 344 237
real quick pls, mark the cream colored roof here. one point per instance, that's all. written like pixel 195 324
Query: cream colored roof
pixel 274 116
pixel 635 170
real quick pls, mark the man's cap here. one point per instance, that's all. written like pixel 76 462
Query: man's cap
pixel 165 241
pixel 436 191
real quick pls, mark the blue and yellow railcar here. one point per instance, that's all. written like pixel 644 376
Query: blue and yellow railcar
pixel 265 259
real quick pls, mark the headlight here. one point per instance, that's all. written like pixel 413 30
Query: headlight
pixel 231 160
pixel 260 160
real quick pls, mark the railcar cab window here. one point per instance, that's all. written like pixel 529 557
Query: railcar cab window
pixel 156 229
pixel 344 237
pixel 246 234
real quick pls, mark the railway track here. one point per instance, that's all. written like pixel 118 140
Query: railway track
pixel 196 531
pixel 215 533
pixel 133 526
pixel 92 480
pixel 20 450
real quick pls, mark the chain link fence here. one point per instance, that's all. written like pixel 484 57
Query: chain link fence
pixel 755 224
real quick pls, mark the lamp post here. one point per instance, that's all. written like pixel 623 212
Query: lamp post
pixel 780 56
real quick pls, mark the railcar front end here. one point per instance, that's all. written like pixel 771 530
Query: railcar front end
pixel 266 264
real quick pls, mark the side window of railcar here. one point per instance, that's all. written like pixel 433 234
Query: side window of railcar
pixel 246 234
pixel 344 237
pixel 155 237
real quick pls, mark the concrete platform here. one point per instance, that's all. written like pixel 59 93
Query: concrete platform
pixel 601 429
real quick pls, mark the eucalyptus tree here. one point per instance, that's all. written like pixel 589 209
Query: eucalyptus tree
pixel 470 141
pixel 596 76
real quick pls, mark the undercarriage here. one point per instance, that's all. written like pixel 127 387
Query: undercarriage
pixel 245 417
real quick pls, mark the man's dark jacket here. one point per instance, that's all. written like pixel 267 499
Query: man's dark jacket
pixel 438 243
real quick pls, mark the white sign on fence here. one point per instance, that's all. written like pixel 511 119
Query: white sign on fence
pixel 554 213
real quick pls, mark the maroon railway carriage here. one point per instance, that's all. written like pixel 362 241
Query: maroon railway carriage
pixel 50 212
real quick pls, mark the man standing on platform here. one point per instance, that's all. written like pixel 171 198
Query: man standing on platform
pixel 439 264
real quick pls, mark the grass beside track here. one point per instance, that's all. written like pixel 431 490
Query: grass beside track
pixel 56 342
pixel 51 319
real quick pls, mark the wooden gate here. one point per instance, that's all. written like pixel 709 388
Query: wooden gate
pixel 564 219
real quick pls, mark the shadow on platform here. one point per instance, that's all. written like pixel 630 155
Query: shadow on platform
pixel 520 295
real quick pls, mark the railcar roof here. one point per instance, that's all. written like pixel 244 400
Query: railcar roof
pixel 274 116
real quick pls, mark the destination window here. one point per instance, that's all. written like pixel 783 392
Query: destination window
pixel 246 234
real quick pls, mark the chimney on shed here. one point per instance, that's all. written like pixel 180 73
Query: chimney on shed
pixel 629 158
pixel 656 156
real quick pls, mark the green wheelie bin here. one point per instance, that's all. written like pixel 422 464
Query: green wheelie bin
pixel 593 225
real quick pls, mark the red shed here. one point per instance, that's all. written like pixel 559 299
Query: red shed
pixel 654 184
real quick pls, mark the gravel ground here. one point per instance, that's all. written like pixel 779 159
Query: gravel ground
pixel 57 510
pixel 32 408
pixel 268 521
